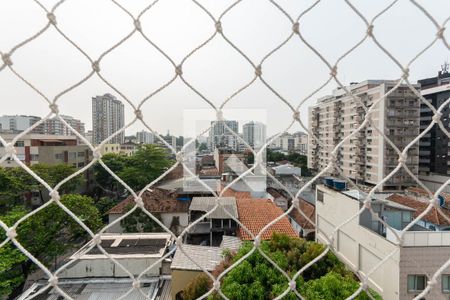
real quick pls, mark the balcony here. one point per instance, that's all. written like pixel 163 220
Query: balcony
pixel 421 238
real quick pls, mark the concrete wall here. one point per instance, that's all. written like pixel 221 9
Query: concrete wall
pixel 361 248
pixel 434 182
pixel 181 278
pixel 423 261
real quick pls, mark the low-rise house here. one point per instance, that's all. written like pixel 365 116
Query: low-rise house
pixel 172 211
pixel 255 214
pixel 220 222
pixel 287 170
pixel 302 225
pixel 364 242
pixel 129 148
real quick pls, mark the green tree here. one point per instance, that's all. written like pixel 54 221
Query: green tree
pixel 202 147
pixel 46 235
pixel 138 221
pixel 199 286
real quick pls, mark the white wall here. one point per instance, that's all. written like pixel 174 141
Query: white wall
pixel 360 248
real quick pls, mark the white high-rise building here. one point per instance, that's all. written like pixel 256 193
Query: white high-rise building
pixel 254 134
pixel 367 158
pixel 221 137
pixel 144 137
pixel 55 127
pixel 107 118
pixel 14 124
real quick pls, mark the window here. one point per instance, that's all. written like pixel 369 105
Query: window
pixel 19 144
pixel 72 155
pixel 416 283
pixel 34 157
pixel 446 283
pixel 319 196
pixel 58 156
pixel 80 154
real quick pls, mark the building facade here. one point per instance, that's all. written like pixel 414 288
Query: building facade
pixel 366 158
pixel 434 150
pixel 254 134
pixel 15 124
pixel 56 127
pixel 221 137
pixel 107 118
pixel 144 137
pixel 287 142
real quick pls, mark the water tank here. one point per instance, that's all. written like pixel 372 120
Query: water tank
pixel 339 185
pixel 441 200
pixel 329 181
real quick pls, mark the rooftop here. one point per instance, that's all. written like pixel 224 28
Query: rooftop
pixel 206 204
pixel 156 201
pixel 257 213
pixel 206 257
pixel 309 210
pixel 127 246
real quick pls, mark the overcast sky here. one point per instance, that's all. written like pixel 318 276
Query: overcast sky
pixel 217 70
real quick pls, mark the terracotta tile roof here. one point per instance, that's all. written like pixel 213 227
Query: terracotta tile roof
pixel 257 213
pixel 309 210
pixel 156 201
pixel 433 216
pixel 236 194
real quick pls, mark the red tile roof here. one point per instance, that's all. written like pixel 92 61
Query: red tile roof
pixel 236 194
pixel 309 210
pixel 257 213
pixel 156 201
pixel 433 216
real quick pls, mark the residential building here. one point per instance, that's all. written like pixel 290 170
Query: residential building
pixel 107 118
pixel 48 149
pixel 169 139
pixel 254 134
pixel 172 212
pixel 364 242
pixel 255 214
pixel 89 136
pixel 434 149
pixel 222 137
pixel 229 161
pixel 366 158
pixel 217 224
pixel 19 123
pixel 54 126
pixel 189 263
pixel 110 148
pixel 144 137
pixel 129 148
pixel 287 142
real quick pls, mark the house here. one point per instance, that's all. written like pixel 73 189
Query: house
pixel 255 214
pixel 364 242
pixel 287 170
pixel 172 211
pixel 302 225
pixel 183 268
pixel 220 222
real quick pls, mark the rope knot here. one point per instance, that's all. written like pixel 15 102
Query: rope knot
pixel 138 114
pixel 96 240
pixel 440 33
pixel 437 117
pixel 137 24
pixel 370 30
pixel 402 158
pixel 296 115
pixel 219 27
pixel 139 202
pixel 333 71
pixel 296 28
pixel 405 73
pixel 53 280
pixel 10 150
pixel 179 70
pixel 257 241
pixel 11 233
pixel 259 159
pixel 97 154
pixel 258 71
pixel 179 240
pixel 6 57
pixel 55 195
pixel 180 157
pixel 136 284
pixel 219 115
pixel 51 18
pixel 364 285
pixel 296 202
pixel 432 281
pixel 367 204
pixel 54 108
pixel 292 284
pixel 96 66
pixel 216 285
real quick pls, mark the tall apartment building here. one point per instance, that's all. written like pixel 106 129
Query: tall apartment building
pixel 295 142
pixel 19 123
pixel 107 118
pixel 56 127
pixel 221 137
pixel 366 158
pixel 434 150
pixel 144 137
pixel 254 134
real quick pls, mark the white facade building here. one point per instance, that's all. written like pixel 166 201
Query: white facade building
pixel 221 137
pixel 107 118
pixel 144 137
pixel 254 134
pixel 14 124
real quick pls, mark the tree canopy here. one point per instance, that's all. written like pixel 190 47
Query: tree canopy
pixel 46 234
pixel 257 278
